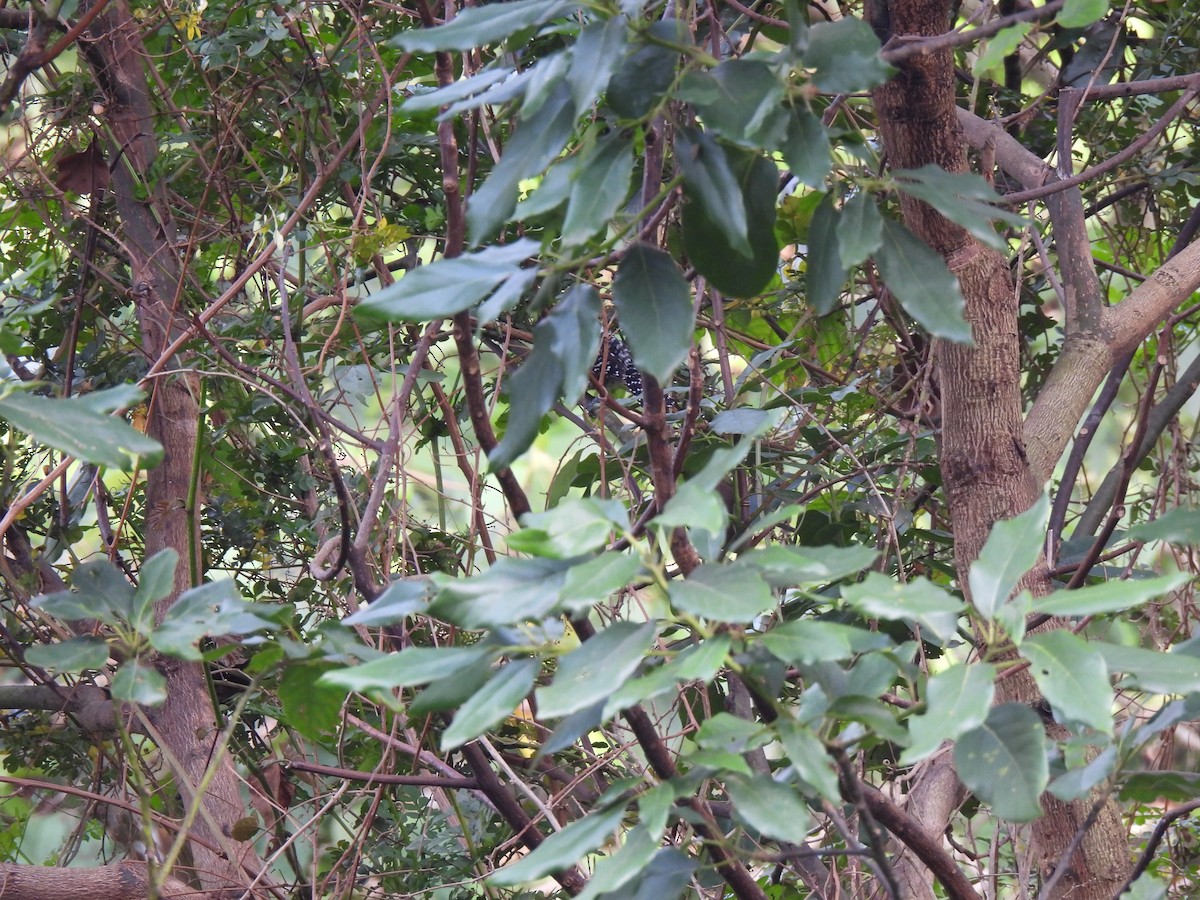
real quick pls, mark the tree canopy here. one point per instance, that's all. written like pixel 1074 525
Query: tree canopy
pixel 599 449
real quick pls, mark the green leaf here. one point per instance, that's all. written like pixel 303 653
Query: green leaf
pixel 808 757
pixel 1148 886
pixel 493 704
pixel 312 707
pixel 1110 597
pixel 99 591
pixel 400 599
pixel 411 666
pixel 1009 552
pixel 535 143
pixel 963 198
pixel 806 148
pixel 613 872
pixel 570 529
pixel 1000 45
pixel 1152 670
pixel 447 286
pixel 596 580
pixel 452 691
pixel 722 593
pixel 1081 13
pixel 600 188
pixel 595 670
pixel 696 507
pixel 573 327
pixel 74 655
pixel 957 700
pixel 706 237
pixel 741 100
pixel 136 681
pixel 1153 787
pixel 156 580
pixel 788 567
pixel 918 601
pixel 921 282
pixel 809 641
pixel 532 390
pixel 845 57
pixel 826 273
pixel 476 86
pixel 562 849
pixel 697 663
pixel 655 306
pixel 743 420
pixel 564 345
pixel 1080 782
pixel 1175 526
pixel 552 191
pixel 512 591
pixel 667 876
pixel 480 25
pixel 1004 762
pixel 82 428
pixel 506 296
pixel 731 734
pixel 594 58
pixel 209 609
pixel 642 79
pixel 859 230
pixel 709 181
pixel 772 809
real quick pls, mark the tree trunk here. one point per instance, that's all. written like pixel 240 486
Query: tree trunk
pixel 186 725
pixel 985 468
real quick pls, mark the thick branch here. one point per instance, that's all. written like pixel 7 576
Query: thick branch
pixel 126 880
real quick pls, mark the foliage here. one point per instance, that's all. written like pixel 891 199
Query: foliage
pixel 671 640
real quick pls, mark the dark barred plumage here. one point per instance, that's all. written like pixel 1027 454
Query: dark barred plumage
pixel 618 366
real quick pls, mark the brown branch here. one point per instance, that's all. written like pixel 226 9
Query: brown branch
pixel 909 832
pixel 904 47
pixel 126 880
pixel 1142 141
pixel 1151 850
pixel 435 781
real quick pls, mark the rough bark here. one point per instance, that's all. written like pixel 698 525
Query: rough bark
pixel 985 466
pixel 121 881
pixel 186 724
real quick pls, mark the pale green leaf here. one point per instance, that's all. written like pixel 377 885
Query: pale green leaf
pixel 535 143
pixel 859 230
pixel 562 849
pixel 74 655
pixel 595 670
pixel 956 701
pixel 921 282
pixel 411 666
pixel 493 704
pixel 82 428
pixel 512 591
pixel 722 593
pixel 1110 597
pixel 774 810
pixel 480 25
pixel 1004 762
pixel 1009 552
pixel 919 601
pixel 600 187
pixel 447 286
pixel 655 306
pixel 845 56
pixel 809 641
